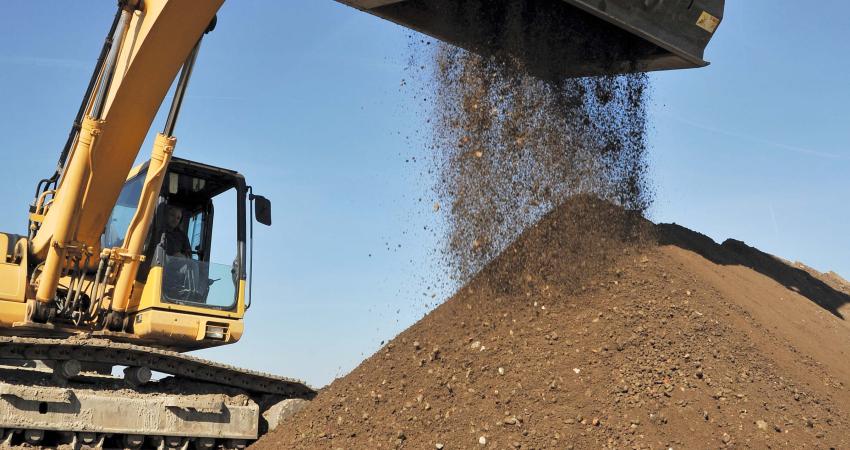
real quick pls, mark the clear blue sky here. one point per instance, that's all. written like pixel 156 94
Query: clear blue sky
pixel 303 97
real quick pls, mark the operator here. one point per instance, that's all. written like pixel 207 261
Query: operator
pixel 181 277
pixel 176 241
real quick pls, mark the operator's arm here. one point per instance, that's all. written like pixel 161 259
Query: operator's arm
pixel 177 244
pixel 185 246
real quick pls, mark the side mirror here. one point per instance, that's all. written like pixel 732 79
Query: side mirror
pixel 262 209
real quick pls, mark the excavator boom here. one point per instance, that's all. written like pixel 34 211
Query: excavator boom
pixel 158 38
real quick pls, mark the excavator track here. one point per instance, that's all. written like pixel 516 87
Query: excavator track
pixel 103 351
pixel 203 405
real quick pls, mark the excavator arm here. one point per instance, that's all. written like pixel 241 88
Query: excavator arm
pixel 151 41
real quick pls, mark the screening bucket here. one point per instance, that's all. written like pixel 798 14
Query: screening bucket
pixel 558 39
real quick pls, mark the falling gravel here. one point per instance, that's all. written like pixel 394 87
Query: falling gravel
pixel 509 147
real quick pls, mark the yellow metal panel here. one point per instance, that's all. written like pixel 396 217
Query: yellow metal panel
pixel 174 328
pixel 13 277
pixel 240 303
pixel 149 296
pixel 11 312
pixel 13 282
pixel 4 245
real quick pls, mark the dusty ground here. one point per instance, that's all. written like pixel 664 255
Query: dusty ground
pixel 682 344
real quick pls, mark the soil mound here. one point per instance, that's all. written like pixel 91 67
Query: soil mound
pixel 588 333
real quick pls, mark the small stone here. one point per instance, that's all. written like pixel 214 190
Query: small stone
pixel 482 440
pixel 726 438
pixel 577 371
pixel 501 370
pixel 439 446
pixel 761 424
pixel 475 345
pixel 595 422
pixel 416 345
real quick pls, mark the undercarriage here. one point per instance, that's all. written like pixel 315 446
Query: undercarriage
pixel 74 393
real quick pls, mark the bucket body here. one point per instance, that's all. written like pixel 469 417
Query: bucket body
pixel 556 39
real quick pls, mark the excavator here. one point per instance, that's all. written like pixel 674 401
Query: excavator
pixel 113 281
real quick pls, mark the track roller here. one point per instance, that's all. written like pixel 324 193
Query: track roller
pixel 90 439
pixel 65 370
pixel 176 442
pixel 133 441
pixel 34 437
pixel 204 443
pixel 137 376
pixel 169 442
pixel 235 444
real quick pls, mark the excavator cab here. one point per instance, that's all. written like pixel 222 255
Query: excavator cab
pixel 196 261
pixel 557 39
pixel 202 259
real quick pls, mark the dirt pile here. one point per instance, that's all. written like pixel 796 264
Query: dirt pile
pixel 682 344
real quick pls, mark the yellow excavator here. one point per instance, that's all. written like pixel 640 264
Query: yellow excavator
pixel 116 270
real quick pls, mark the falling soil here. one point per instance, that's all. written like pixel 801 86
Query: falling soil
pixel 682 343
pixel 509 147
